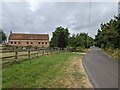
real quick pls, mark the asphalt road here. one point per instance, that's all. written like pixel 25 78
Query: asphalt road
pixel 101 69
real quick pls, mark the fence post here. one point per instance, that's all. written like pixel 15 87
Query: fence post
pixel 37 51
pixel 51 50
pixel 29 52
pixel 43 50
pixel 16 53
pixel 56 50
pixel 47 50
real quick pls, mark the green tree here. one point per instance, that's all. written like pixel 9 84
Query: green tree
pixel 54 39
pixel 108 35
pixel 61 40
pixel 81 40
pixel 3 36
pixel 72 41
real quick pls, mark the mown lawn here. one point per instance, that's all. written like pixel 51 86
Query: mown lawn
pixel 63 70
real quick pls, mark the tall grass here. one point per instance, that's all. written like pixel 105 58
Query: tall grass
pixel 39 72
pixel 114 53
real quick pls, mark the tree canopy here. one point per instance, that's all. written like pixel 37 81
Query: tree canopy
pixel 61 38
pixel 81 40
pixel 109 34
pixel 3 36
pixel 56 37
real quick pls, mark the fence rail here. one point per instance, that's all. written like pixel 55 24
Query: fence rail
pixel 15 53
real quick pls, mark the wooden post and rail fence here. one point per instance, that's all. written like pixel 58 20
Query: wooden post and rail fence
pixel 15 53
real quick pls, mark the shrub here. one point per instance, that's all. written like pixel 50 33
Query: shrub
pixel 79 49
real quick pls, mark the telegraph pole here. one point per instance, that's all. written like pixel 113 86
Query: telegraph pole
pixel 119 8
pixel 89 24
pixel 0 38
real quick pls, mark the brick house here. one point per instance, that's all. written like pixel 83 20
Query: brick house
pixel 34 40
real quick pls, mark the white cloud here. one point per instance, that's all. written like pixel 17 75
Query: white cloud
pixel 34 5
pixel 0 15
pixel 61 0
pixel 45 17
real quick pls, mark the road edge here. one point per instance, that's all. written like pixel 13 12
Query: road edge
pixel 94 85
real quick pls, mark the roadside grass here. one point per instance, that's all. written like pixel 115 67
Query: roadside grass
pixel 113 53
pixel 61 70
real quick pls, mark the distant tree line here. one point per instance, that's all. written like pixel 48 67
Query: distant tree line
pixel 3 36
pixel 81 40
pixel 108 35
pixel 61 38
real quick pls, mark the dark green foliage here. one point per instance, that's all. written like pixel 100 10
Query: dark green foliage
pixel 72 41
pixel 80 40
pixel 109 34
pixel 3 36
pixel 54 39
pixel 61 40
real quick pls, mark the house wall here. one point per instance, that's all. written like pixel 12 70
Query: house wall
pixel 34 43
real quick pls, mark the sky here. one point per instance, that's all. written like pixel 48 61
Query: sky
pixel 44 17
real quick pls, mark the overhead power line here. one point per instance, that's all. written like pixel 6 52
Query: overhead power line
pixel 90 6
pixel 89 21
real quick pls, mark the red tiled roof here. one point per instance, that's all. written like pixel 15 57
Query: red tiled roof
pixel 17 36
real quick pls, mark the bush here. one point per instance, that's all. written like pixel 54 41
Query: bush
pixel 71 49
pixel 79 49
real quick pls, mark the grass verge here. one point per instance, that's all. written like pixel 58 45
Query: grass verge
pixel 63 70
pixel 113 53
